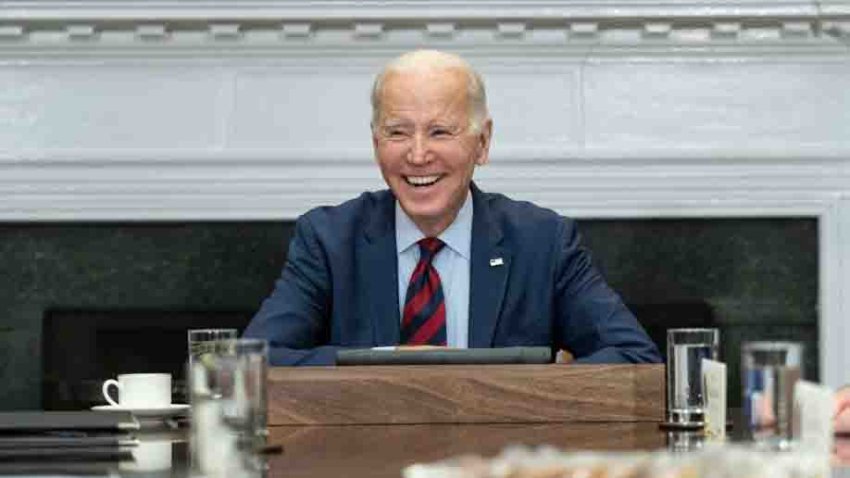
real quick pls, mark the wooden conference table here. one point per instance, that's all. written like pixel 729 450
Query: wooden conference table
pixel 374 421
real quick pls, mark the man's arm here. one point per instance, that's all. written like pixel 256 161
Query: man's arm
pixel 294 318
pixel 594 324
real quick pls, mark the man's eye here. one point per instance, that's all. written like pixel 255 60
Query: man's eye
pixel 440 133
pixel 394 133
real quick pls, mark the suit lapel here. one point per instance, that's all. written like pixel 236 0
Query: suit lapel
pixel 489 269
pixel 379 267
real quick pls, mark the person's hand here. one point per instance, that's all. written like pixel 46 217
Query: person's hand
pixel 841 419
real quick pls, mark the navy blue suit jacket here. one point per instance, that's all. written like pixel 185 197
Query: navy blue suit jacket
pixel 339 287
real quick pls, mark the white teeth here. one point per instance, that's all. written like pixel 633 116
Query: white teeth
pixel 422 180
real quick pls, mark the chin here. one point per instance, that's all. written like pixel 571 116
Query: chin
pixel 423 213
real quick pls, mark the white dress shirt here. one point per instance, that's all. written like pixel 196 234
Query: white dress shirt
pixel 452 263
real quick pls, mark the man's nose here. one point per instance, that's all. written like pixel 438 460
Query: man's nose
pixel 418 153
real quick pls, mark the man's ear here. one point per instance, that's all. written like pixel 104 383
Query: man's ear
pixel 374 139
pixel 484 142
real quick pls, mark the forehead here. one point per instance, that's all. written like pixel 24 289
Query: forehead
pixel 423 93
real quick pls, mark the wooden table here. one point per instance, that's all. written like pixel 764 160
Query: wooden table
pixel 383 451
pixel 375 421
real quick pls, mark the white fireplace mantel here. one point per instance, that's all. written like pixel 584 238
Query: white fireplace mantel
pixel 258 109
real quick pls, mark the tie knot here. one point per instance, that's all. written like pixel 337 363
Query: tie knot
pixel 429 247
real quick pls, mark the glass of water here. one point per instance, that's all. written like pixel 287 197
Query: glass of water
pixel 685 350
pixel 769 371
pixel 229 408
pixel 202 341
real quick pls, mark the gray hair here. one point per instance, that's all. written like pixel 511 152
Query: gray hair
pixel 420 60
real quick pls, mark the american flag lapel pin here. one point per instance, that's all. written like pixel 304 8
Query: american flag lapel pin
pixel 496 261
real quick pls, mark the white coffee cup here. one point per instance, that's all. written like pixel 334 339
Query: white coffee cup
pixel 140 390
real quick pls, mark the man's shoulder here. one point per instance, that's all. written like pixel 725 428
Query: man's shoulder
pixel 365 202
pixel 513 213
pixel 353 209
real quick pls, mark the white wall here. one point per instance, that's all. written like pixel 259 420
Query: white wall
pixel 138 110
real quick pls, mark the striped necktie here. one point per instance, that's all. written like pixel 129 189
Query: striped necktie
pixel 424 318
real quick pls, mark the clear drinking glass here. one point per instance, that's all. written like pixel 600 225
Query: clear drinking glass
pixel 685 350
pixel 769 371
pixel 202 341
pixel 229 408
pixel 685 440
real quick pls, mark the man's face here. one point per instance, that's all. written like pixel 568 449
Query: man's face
pixel 424 146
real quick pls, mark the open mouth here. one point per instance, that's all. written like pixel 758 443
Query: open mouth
pixel 422 181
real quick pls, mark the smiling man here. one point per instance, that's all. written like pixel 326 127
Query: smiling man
pixel 434 260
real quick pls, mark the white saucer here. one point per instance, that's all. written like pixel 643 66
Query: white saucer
pixel 169 411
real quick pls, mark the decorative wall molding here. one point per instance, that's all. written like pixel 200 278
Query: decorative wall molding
pixel 405 10
pixel 834 267
pixel 206 25
pixel 236 190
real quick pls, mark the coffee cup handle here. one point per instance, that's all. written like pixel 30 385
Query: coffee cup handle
pixel 105 390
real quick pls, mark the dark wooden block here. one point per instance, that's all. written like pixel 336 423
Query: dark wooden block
pixel 466 394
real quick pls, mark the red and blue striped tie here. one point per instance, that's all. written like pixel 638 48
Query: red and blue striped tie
pixel 424 318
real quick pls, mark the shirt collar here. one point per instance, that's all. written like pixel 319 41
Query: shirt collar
pixel 458 236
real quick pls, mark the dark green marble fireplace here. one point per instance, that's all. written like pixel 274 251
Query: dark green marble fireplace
pixel 122 294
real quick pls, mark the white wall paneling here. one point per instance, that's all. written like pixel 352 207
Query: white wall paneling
pixel 258 109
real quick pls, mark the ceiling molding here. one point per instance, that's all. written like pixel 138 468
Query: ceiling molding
pixel 97 26
pixel 401 10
